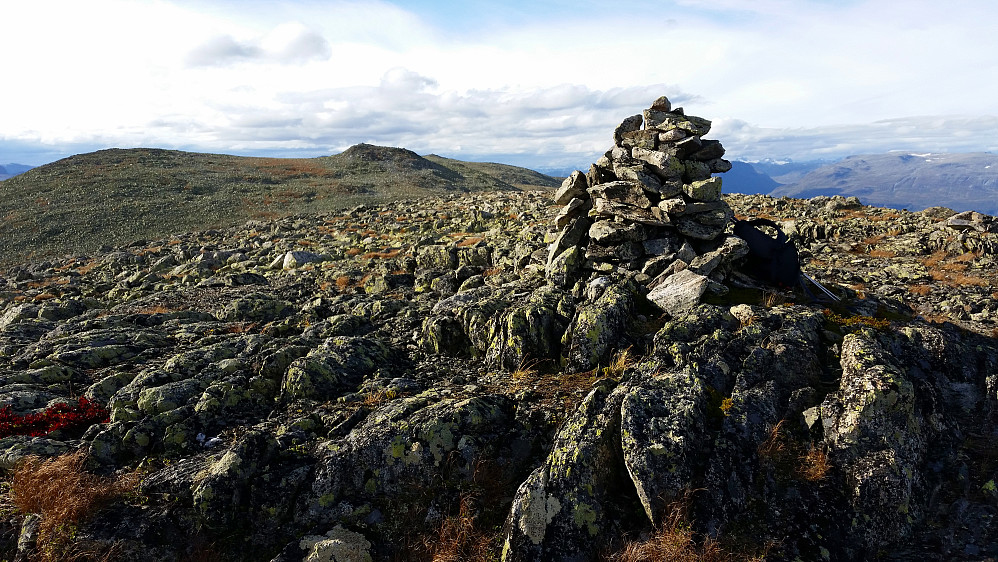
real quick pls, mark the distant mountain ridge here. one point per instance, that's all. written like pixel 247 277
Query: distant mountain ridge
pixel 10 170
pixel 915 181
pixel 745 178
pixel 115 196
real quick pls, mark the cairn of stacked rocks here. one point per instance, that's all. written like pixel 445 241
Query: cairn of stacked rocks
pixel 649 209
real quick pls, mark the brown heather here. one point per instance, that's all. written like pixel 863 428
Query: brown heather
pixel 63 494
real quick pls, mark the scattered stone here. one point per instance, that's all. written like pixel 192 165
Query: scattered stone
pixel 359 407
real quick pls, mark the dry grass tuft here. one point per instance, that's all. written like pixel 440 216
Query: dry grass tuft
pixel 468 242
pixel 771 299
pixel 775 445
pixel 158 309
pixel 621 361
pixel 460 540
pixel 241 327
pixel 523 374
pixel 814 465
pixel 874 239
pixel 934 259
pixel 383 255
pixel 379 397
pixel 853 322
pixel 63 494
pixel 789 456
pixel 675 541
pixel 922 290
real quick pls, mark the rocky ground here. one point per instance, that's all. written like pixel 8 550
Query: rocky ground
pixel 396 383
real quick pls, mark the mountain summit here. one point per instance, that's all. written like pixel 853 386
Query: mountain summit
pixel 593 373
pixel 118 196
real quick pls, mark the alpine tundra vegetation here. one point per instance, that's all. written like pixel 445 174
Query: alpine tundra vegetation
pixel 591 373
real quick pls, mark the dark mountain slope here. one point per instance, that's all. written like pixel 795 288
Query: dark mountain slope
pixel 512 175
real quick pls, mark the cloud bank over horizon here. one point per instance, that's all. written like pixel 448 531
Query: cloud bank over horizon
pixel 540 85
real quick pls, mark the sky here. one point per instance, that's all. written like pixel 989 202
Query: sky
pixel 534 83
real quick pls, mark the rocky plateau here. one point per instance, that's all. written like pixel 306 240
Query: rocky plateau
pixel 568 376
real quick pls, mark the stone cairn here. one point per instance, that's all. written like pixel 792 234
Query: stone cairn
pixel 649 209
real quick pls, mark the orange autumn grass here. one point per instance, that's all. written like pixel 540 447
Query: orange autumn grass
pixel 63 494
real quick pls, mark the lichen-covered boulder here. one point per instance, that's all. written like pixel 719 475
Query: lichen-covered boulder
pixel 560 512
pixel 339 364
pixel 169 396
pixel 256 307
pixel 662 428
pixel 437 257
pixel 443 335
pixel 679 292
pixel 872 425
pixel 704 190
pixel 235 398
pixel 15 448
pixel 595 331
pixel 219 492
pixel 424 442
pixel 530 332
pixel 564 268
pixel 337 545
pixel 298 258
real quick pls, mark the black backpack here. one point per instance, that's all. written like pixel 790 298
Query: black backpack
pixel 771 260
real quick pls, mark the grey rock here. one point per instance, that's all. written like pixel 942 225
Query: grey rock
pixel 337 366
pixel 596 328
pixel 623 192
pixel 709 150
pixel 574 186
pixel 662 104
pixel 632 123
pixel 608 208
pixel 610 232
pixel 296 259
pixel 564 269
pixel 661 246
pixel 679 292
pixel 436 257
pixel 705 190
pixel 693 228
pixel 559 512
pixel 572 209
pixel 662 424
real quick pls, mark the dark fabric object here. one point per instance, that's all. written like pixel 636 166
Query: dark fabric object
pixel 771 260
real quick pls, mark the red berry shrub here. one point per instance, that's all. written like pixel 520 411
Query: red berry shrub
pixel 60 416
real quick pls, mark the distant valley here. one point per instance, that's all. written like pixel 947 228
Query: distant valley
pixel 962 182
pixel 900 180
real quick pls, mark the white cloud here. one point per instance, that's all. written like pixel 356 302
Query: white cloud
pixel 793 78
pixel 290 43
pixel 941 133
pixel 221 49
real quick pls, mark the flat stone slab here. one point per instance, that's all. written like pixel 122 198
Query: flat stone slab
pixel 679 292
